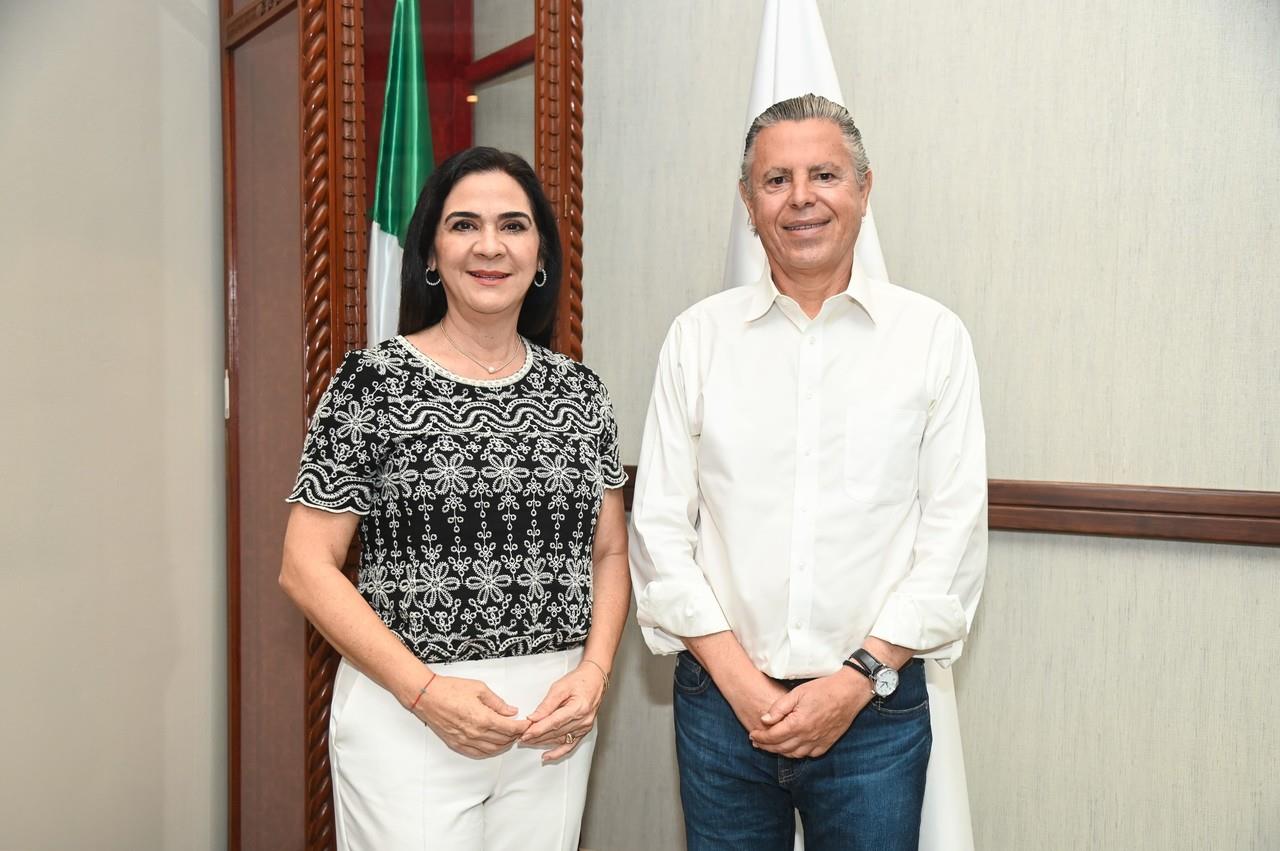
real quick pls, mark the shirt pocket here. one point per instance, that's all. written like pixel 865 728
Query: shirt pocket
pixel 882 454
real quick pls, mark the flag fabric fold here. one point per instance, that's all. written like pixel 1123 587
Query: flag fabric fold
pixel 793 58
pixel 404 162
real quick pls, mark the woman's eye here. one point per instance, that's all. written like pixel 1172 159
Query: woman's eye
pixel 514 227
pixel 463 224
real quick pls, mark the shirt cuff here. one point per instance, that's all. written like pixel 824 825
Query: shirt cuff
pixel 933 626
pixel 684 609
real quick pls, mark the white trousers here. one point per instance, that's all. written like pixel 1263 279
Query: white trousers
pixel 398 787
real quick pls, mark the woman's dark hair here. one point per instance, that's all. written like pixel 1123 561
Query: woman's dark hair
pixel 422 306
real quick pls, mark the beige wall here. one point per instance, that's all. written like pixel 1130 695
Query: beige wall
pixel 111 563
pixel 1095 189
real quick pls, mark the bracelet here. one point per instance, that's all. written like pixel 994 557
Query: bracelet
pixel 602 671
pixel 423 691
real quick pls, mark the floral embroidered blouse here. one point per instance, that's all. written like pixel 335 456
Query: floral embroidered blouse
pixel 478 499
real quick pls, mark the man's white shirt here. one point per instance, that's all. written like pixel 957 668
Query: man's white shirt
pixel 808 482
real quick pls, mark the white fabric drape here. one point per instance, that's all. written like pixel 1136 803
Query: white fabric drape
pixel 383 306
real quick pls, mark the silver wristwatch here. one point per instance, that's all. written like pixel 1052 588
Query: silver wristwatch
pixel 884 680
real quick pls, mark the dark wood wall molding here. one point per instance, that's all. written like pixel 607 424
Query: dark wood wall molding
pixel 1137 511
pixel 239 27
pixel 1125 511
pixel 558 82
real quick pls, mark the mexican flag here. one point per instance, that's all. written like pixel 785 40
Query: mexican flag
pixel 404 162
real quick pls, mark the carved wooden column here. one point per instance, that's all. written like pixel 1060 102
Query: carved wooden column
pixel 558 81
pixel 335 242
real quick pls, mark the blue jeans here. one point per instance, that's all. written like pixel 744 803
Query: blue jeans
pixel 864 793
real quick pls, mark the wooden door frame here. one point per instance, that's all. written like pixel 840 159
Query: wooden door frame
pixel 334 241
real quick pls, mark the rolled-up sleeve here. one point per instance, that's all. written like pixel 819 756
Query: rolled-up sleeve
pixel 673 598
pixel 932 608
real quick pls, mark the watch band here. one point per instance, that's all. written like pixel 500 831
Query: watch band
pixel 858 666
pixel 867 661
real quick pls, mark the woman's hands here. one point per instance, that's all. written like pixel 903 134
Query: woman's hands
pixel 469 717
pixel 567 713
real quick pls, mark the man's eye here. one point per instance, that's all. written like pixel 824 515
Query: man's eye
pixel 776 181
pixel 826 176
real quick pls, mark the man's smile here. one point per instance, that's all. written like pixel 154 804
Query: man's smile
pixel 806 226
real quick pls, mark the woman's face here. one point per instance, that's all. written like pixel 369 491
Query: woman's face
pixel 486 247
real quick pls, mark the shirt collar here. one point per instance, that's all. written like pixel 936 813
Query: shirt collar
pixel 764 293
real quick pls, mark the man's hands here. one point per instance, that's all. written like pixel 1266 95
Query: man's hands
pixel 807 721
pixel 804 722
pixel 469 718
pixel 751 696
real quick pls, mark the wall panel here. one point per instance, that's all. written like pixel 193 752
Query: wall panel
pixel 1117 694
pixel 112 731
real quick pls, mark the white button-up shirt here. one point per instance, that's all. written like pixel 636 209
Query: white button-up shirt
pixel 806 482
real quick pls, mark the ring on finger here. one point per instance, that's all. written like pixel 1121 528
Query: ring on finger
pixel 569 738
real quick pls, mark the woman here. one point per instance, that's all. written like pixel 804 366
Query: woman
pixel 483 473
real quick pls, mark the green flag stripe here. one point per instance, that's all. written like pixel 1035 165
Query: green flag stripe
pixel 404 148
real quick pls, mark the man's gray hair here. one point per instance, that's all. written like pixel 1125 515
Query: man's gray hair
pixel 805 108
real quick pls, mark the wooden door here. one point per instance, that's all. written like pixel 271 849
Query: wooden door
pixel 294 257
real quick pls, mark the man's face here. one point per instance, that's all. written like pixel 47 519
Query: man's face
pixel 804 198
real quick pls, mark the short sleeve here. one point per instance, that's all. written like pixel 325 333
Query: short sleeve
pixel 610 454
pixel 343 451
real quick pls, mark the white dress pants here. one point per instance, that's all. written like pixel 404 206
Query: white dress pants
pixel 398 787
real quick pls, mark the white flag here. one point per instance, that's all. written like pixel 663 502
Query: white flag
pixel 792 59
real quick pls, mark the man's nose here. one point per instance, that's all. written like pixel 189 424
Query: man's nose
pixel 801 192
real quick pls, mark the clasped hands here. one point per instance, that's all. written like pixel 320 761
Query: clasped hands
pixel 805 721
pixel 474 721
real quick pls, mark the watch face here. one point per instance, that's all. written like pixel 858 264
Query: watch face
pixel 886 682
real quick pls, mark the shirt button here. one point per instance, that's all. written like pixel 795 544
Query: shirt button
pixel 813 341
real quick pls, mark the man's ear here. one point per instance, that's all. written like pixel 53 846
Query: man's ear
pixel 866 191
pixel 746 202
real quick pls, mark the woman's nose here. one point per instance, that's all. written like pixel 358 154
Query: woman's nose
pixel 487 242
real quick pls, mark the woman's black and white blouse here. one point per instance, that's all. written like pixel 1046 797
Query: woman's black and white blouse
pixel 479 499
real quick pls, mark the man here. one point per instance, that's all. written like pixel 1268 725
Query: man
pixel 810 515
